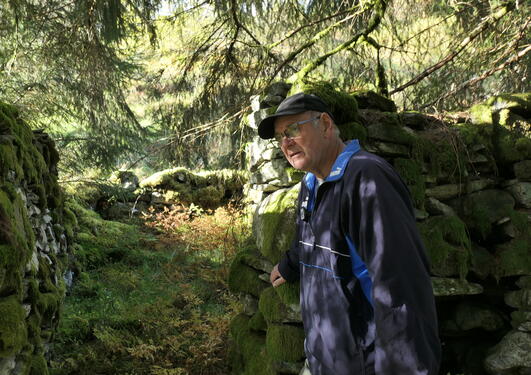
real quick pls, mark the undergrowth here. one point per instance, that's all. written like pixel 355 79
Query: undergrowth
pixel 158 307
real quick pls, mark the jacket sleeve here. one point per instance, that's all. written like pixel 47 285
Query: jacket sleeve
pixel 289 263
pixel 382 224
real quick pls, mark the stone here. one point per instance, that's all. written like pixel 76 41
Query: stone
pixel 445 192
pixel 414 120
pixel 274 222
pixel 371 100
pixel 284 367
pixel 388 149
pixel 483 263
pixel 522 170
pixel 256 117
pixel 521 192
pixel 7 365
pixel 443 286
pixel 389 130
pixel 436 207
pixel 512 355
pixel 279 88
pixel 521 320
pixel 469 316
pixel 421 214
pixel 261 151
pixel 513 257
pixel 482 209
pixel 524 282
pixel 519 299
pixel 250 304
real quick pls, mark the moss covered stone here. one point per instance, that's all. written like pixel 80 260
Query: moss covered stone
pixel 371 100
pixel 353 130
pixel 411 173
pixel 274 223
pixel 243 278
pixel 343 106
pixel 285 342
pixel 38 365
pixel 482 209
pixel 448 245
pixel 258 322
pixel 13 331
pixel 274 310
pixel 250 346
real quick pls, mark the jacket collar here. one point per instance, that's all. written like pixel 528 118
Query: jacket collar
pixel 338 169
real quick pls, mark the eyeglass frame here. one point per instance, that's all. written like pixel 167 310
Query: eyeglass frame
pixel 279 137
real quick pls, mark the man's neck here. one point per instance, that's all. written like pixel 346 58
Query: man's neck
pixel 335 150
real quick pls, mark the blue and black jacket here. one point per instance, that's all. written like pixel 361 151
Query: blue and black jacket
pixel 366 297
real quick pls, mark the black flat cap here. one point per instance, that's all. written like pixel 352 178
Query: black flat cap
pixel 292 105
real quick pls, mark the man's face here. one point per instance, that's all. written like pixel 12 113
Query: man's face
pixel 304 152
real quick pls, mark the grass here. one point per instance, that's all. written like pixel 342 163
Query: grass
pixel 159 306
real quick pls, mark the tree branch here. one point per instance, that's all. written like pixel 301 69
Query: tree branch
pixel 379 7
pixel 490 21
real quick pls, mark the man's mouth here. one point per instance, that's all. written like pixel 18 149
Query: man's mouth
pixel 294 153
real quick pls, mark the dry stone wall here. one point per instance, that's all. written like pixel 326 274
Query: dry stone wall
pixel 35 238
pixel 469 175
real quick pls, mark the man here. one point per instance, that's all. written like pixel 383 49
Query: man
pixel 366 298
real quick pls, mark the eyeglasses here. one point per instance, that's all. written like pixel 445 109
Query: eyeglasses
pixel 293 130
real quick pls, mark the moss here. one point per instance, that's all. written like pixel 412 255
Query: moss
pixel 513 257
pixel 343 106
pixel 448 245
pixel 289 294
pixel 481 210
pixel 13 331
pixel 370 99
pixel 481 114
pixel 277 223
pixel 285 342
pixel 353 130
pixel 251 347
pixel 257 322
pixel 243 278
pixel 271 306
pixel 411 172
pixel 39 365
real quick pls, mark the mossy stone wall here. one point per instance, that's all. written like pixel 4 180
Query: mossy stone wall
pixel 35 233
pixel 470 180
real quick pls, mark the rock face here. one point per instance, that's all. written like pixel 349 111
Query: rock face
pixel 469 181
pixel 35 238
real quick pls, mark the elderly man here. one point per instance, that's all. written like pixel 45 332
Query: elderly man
pixel 366 297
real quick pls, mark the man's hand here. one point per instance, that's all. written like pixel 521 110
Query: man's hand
pixel 275 277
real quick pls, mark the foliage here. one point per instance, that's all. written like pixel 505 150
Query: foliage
pixel 119 81
pixel 157 304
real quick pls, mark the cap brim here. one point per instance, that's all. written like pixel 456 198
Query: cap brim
pixel 266 128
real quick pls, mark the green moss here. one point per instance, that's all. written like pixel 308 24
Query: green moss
pixel 271 306
pixel 289 294
pixel 251 347
pixel 343 106
pixel 448 245
pixel 278 223
pixel 285 342
pixel 481 114
pixel 514 257
pixel 13 331
pixel 257 322
pixel 353 130
pixel 39 365
pixel 411 173
pixel 243 278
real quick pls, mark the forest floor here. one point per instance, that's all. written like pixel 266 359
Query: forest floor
pixel 152 295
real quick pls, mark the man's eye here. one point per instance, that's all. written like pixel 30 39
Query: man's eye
pixel 292 131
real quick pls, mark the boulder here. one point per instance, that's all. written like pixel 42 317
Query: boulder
pixel 274 223
pixel 370 100
pixel 445 287
pixel 512 355
pixel 522 170
pixel 521 192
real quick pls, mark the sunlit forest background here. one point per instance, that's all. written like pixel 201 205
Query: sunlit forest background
pixel 147 85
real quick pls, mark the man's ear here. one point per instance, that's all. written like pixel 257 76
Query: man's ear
pixel 327 122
